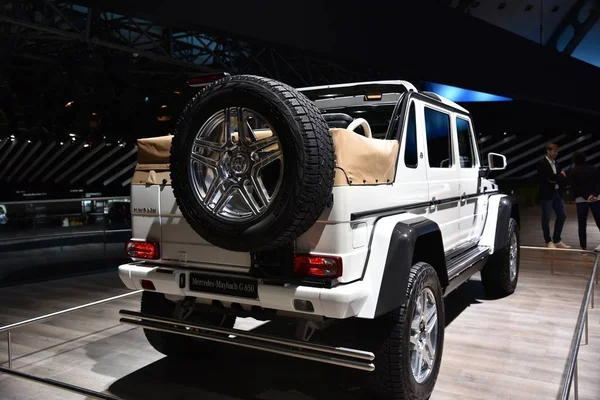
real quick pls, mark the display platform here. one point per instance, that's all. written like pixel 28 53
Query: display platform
pixel 510 348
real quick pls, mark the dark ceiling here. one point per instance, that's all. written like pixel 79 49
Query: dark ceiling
pixel 422 39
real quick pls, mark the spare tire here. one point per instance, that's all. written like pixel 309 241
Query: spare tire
pixel 257 185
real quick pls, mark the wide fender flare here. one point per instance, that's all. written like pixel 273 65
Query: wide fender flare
pixel 501 208
pixel 396 241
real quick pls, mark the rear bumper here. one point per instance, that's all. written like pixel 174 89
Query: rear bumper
pixel 340 302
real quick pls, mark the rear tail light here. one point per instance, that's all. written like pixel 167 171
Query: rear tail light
pixel 148 285
pixel 141 249
pixel 205 79
pixel 318 266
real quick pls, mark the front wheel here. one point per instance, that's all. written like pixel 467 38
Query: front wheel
pixel 501 273
pixel 409 353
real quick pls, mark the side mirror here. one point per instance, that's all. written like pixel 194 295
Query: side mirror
pixel 496 161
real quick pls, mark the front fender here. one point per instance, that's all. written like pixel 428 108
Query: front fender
pixel 501 208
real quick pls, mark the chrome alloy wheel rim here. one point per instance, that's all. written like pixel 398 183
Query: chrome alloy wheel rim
pixel 236 165
pixel 514 249
pixel 423 336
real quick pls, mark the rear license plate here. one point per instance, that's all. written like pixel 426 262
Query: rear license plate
pixel 225 285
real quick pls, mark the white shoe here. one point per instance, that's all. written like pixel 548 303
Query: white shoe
pixel 597 248
pixel 550 245
pixel 561 245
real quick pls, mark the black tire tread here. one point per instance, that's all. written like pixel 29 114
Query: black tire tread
pixel 495 276
pixel 312 187
pixel 389 377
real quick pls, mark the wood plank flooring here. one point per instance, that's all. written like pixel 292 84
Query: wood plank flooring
pixel 531 228
pixel 510 348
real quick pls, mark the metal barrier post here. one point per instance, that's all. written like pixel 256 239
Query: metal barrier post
pixel 576 386
pixel 9 341
pixel 571 367
pixel 586 328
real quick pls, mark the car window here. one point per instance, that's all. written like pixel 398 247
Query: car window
pixel 437 128
pixel 411 158
pixel 465 143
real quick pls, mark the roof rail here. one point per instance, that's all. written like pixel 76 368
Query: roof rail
pixel 432 95
pixel 357 89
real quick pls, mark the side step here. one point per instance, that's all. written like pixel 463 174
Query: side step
pixel 460 263
pixel 340 356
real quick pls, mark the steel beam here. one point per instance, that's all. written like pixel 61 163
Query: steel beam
pixel 393 40
pixel 103 43
pixel 580 28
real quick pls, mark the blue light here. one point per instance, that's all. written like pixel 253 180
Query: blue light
pixel 460 95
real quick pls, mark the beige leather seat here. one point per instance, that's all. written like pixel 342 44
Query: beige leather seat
pixel 358 160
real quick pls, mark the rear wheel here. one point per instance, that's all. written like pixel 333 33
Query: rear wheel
pixel 411 340
pixel 252 163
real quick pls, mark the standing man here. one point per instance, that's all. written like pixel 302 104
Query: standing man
pixel 551 181
pixel 585 182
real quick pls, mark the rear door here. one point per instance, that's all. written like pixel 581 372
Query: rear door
pixel 442 172
pixel 469 179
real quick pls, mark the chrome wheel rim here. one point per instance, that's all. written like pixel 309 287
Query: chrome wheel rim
pixel 514 249
pixel 236 165
pixel 424 336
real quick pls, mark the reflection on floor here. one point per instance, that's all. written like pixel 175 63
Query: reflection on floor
pixel 531 228
pixel 510 348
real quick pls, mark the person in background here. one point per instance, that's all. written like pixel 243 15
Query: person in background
pixel 3 217
pixel 551 180
pixel 585 183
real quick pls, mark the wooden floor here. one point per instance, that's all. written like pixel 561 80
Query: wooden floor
pixel 531 228
pixel 510 348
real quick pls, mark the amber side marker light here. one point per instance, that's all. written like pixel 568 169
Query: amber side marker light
pixel 318 266
pixel 373 97
pixel 141 249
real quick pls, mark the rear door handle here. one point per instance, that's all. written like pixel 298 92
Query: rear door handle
pixel 433 203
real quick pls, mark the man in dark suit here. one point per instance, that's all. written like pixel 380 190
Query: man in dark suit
pixel 551 180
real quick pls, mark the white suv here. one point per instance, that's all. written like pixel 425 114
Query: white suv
pixel 355 201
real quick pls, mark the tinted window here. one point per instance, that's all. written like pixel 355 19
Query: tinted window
pixel 465 144
pixel 437 127
pixel 411 158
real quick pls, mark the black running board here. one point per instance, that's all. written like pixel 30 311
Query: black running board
pixel 462 262
pixel 340 356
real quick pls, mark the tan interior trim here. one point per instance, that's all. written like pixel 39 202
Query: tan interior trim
pixel 358 160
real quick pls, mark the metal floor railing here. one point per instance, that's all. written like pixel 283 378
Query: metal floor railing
pixel 47 381
pixel 570 374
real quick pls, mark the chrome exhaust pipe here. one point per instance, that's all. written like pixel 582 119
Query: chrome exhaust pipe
pixel 355 359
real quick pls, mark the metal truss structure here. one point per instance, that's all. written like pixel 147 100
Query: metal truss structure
pixel 576 24
pixel 582 16
pixel 51 32
pixel 87 66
